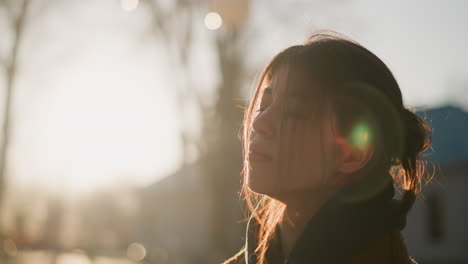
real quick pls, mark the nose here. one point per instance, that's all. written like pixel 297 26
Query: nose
pixel 263 124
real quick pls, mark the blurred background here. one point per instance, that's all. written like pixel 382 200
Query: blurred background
pixel 120 120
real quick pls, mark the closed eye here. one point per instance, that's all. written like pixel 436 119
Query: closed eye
pixel 261 109
pixel 265 100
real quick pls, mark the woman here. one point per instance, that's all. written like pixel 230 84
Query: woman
pixel 326 139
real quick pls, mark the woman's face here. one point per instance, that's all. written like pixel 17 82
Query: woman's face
pixel 291 147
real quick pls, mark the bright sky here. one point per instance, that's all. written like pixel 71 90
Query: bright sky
pixel 93 101
pixel 96 113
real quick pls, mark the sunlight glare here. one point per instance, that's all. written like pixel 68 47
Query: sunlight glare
pixel 213 21
pixel 102 131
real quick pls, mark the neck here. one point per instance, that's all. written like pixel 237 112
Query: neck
pixel 300 208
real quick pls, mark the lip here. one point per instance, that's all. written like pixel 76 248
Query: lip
pixel 256 155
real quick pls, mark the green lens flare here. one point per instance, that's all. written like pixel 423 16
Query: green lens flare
pixel 361 135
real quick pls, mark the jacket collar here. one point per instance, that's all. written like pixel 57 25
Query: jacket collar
pixel 336 232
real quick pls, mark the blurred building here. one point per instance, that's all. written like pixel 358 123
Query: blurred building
pixel 176 221
pixel 436 231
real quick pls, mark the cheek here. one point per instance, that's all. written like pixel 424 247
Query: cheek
pixel 304 169
pixel 307 157
pixel 304 163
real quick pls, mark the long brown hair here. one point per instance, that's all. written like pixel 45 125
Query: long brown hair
pixel 354 81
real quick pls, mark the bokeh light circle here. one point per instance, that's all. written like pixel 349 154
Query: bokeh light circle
pixel 213 21
pixel 136 252
pixel 129 5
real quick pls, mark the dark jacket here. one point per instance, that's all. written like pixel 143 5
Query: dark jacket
pixel 364 232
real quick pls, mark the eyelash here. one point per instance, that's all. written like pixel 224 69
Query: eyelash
pixel 288 114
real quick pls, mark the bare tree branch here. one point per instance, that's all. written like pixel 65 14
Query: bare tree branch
pixel 11 64
pixel 173 26
pixel 218 143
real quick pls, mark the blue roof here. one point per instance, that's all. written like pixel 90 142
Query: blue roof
pixel 449 126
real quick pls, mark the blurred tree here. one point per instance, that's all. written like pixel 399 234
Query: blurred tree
pixel 15 12
pixel 217 146
pixel 223 159
pixel 53 225
pixel 16 17
pixel 172 24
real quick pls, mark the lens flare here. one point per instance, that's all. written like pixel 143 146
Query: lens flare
pixel 361 135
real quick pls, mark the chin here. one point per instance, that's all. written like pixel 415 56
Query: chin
pixel 261 185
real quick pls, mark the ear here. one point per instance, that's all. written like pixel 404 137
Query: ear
pixel 351 159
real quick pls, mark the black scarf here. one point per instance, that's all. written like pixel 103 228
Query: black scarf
pixel 337 232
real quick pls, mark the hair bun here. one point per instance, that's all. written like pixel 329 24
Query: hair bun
pixel 416 134
pixel 417 138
